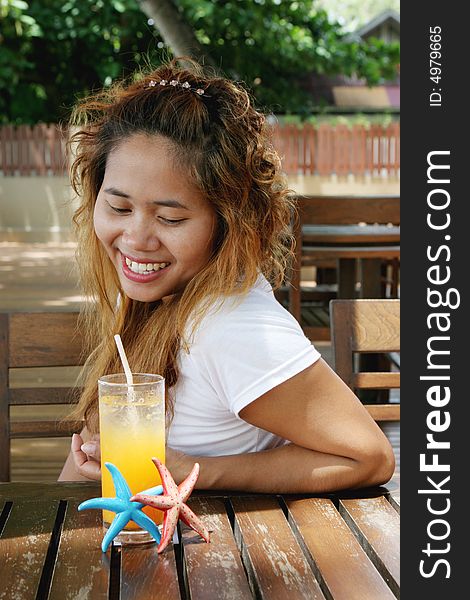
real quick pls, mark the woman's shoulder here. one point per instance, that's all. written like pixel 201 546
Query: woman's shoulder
pixel 249 346
pixel 254 312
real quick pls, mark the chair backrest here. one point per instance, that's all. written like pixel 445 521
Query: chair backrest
pixel 366 326
pixel 348 210
pixel 35 340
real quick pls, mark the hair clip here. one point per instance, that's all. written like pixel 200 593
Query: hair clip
pixel 175 83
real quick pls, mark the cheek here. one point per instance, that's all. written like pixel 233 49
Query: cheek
pixel 200 244
pixel 101 225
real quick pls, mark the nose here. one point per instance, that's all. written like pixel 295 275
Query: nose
pixel 140 234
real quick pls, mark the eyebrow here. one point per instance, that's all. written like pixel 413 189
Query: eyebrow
pixel 169 202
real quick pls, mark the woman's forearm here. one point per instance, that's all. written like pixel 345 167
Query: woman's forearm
pixel 287 469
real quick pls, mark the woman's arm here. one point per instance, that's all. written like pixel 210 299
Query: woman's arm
pixel 335 442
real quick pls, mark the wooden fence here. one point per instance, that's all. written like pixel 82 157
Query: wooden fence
pixel 309 150
pixel 36 150
pixel 341 150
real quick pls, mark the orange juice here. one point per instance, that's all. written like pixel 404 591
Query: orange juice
pixel 132 431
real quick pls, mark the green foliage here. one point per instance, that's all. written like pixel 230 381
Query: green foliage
pixel 349 120
pixel 274 45
pixel 355 13
pixel 52 51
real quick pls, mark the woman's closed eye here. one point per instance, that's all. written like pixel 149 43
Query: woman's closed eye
pixel 123 211
pixel 118 209
pixel 171 221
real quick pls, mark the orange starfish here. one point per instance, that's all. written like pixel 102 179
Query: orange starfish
pixel 173 502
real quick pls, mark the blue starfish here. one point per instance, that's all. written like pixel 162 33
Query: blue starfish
pixel 125 510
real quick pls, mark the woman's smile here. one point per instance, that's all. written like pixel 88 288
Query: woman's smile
pixel 143 271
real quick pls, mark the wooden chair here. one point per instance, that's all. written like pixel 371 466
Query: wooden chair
pixel 344 245
pixel 35 340
pixel 368 326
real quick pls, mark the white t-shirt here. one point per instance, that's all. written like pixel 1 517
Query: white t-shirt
pixel 239 352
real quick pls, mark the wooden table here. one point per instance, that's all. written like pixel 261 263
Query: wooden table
pixel 338 546
pixel 351 234
pixel 348 243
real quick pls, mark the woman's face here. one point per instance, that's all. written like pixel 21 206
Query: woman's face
pixel 155 225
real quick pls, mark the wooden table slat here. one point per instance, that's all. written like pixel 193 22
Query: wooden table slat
pixel 215 570
pixel 339 560
pixel 394 498
pixel 146 575
pixel 350 252
pixel 277 567
pixel 81 568
pixel 376 524
pixel 23 547
pixel 344 234
pixel 20 490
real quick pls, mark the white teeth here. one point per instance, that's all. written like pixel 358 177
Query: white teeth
pixel 144 268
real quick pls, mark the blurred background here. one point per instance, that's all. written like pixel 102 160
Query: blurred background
pixel 326 71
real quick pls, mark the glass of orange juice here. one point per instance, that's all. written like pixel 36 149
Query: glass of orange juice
pixel 132 431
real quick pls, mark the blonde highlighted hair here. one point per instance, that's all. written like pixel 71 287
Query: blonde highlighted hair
pixel 224 145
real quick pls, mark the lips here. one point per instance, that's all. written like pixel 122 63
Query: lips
pixel 143 271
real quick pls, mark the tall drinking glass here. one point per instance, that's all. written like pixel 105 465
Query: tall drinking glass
pixel 132 431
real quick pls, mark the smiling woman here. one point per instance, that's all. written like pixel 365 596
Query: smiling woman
pixel 159 233
pixel 183 232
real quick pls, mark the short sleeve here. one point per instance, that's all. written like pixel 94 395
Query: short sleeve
pixel 249 351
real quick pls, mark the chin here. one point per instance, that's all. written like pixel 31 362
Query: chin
pixel 148 298
pixel 142 295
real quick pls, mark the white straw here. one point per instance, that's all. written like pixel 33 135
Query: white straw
pixel 125 363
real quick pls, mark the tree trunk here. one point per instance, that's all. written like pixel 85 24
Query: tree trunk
pixel 175 31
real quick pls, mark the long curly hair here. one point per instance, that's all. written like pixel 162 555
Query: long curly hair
pixel 225 147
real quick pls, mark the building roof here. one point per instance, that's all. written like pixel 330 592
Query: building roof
pixel 387 17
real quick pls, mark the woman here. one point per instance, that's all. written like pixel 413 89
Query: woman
pixel 183 229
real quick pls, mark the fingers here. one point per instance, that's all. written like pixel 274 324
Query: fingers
pixel 92 449
pixel 76 442
pixel 79 457
pixel 85 464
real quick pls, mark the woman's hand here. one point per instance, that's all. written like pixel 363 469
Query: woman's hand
pixel 86 456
